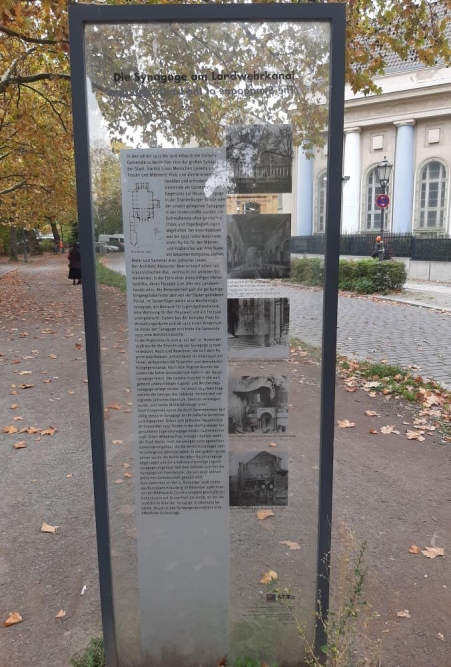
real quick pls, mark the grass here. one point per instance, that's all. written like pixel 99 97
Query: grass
pixel 106 276
pixel 93 656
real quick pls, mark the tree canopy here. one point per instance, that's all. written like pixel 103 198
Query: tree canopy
pixel 36 160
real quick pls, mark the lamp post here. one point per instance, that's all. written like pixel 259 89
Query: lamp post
pixel 383 171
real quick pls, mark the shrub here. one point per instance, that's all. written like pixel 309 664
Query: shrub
pixel 365 276
pixel 307 271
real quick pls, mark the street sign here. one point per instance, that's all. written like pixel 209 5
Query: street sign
pixel 382 201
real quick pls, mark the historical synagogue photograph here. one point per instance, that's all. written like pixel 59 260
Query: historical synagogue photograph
pixel 258 246
pixel 258 404
pixel 258 328
pixel 258 479
pixel 260 158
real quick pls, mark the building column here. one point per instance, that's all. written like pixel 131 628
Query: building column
pixel 403 177
pixel 350 219
pixel 304 194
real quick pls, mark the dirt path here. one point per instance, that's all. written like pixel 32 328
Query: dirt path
pixel 393 492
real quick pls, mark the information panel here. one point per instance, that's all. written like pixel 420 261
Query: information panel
pixel 207 128
pixel 175 248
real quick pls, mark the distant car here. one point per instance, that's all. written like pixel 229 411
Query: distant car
pixel 100 247
pixel 111 248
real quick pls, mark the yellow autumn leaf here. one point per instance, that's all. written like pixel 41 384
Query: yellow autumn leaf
pixel 268 577
pixel 414 549
pixel 263 514
pixel 293 546
pixel 46 528
pixel 115 406
pixel 433 552
pixel 49 431
pixel 345 423
pixel 9 429
pixel 372 413
pixel 13 407
pixel 20 445
pixel 61 614
pixel 272 444
pixel 13 618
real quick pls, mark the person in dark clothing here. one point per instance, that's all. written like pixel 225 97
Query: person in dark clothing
pixel 75 264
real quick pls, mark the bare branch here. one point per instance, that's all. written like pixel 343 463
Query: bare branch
pixel 31 78
pixel 12 188
pixel 54 109
pixel 31 40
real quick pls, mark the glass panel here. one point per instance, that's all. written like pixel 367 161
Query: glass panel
pixel 434 170
pixel 432 218
pixel 433 195
pixel 176 105
pixel 421 218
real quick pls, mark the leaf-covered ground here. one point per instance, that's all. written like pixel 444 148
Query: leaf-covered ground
pixel 391 490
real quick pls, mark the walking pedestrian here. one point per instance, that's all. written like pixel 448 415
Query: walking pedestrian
pixel 75 264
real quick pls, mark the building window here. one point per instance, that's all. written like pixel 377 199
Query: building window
pixel 432 190
pixel 372 213
pixel 251 207
pixel 322 190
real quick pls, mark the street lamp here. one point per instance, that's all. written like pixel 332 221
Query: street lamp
pixel 383 171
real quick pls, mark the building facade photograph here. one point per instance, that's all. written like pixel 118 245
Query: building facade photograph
pixel 258 479
pixel 258 404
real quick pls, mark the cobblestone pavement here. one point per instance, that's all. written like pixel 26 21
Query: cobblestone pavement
pixel 376 329
pixel 401 334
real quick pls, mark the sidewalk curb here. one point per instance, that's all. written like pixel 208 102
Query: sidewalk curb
pixel 8 270
pixel 418 304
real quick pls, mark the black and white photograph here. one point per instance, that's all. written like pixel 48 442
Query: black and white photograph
pixel 258 328
pixel 258 405
pixel 260 158
pixel 258 246
pixel 258 478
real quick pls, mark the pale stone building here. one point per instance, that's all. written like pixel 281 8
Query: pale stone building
pixel 410 124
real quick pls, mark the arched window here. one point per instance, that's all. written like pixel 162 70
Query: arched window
pixel 322 188
pixel 372 213
pixel 432 195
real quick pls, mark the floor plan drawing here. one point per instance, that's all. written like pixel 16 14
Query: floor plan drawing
pixel 143 207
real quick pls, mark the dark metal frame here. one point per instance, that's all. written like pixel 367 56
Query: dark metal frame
pixel 335 14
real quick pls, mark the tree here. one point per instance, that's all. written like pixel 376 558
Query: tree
pixel 35 117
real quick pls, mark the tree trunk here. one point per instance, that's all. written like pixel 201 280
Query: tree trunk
pixel 33 243
pixel 13 244
pixel 55 232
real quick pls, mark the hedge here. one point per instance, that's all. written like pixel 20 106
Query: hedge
pixel 365 276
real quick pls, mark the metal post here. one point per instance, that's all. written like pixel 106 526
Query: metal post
pixel 24 240
pixel 381 244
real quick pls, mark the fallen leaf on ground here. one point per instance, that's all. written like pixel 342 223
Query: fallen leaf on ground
pixel 439 636
pixel 414 549
pixel 371 413
pixel 17 419
pixel 263 514
pixel 69 475
pixel 293 546
pixel 414 435
pixel 222 662
pixel 433 552
pixel 373 431
pixel 26 386
pixel 53 356
pixel 49 431
pixel 9 429
pixel 118 442
pixel 351 389
pixel 128 474
pixel 24 372
pixel 13 618
pixel 78 346
pixel 61 614
pixel 118 481
pixel 386 391
pixel 45 528
pixel 272 444
pixel 268 577
pixel 20 445
pixel 345 423
pixel 403 614
pixel 389 429
pixel 31 429
pixel 126 465
pixel 115 406
pixel 13 407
